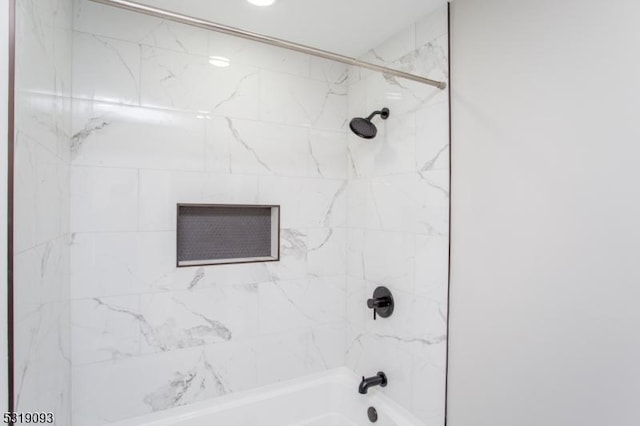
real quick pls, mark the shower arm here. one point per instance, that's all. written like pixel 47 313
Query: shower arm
pixel 208 25
pixel 374 113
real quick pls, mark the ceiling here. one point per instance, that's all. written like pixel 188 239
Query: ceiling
pixel 348 27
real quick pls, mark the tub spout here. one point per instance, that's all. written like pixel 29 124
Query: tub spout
pixel 379 379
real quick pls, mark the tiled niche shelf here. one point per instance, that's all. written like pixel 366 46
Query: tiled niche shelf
pixel 217 234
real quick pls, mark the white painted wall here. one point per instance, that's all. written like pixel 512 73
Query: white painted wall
pixel 4 115
pixel 546 203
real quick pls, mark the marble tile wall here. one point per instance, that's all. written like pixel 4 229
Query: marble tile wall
pixel 154 123
pixel 41 201
pixel 398 213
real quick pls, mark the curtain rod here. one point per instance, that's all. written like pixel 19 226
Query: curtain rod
pixel 196 22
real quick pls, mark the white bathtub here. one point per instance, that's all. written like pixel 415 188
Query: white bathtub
pixel 326 399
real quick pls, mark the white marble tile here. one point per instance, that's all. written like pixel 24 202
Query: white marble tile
pixel 104 199
pixel 391 356
pixel 104 329
pixel 301 101
pixel 43 47
pixel 417 50
pixel 391 152
pixel 326 345
pixel 297 157
pixel 105 69
pixel 357 107
pixel 336 288
pixel 174 36
pixel 48 13
pixel 432 137
pixel 157 266
pixel 435 221
pixel 162 381
pixel 176 320
pixel 188 82
pixel 235 364
pixel 282 357
pixel 45 120
pixel 355 76
pixel 290 355
pixel 41 273
pixel 110 264
pixel 432 61
pixel 355 252
pixel 399 202
pixel 293 256
pixel 259 55
pixel 105 264
pixel 305 202
pixel 432 266
pixel 389 52
pixel 41 180
pixel 401 96
pixel 41 203
pixel 242 146
pixel 429 321
pixel 400 326
pixel 398 196
pixel 417 323
pixel 357 295
pixel 102 20
pixel 327 251
pixel 329 71
pixel 388 259
pixel 160 191
pixel 357 99
pixel 431 26
pixel 42 359
pixel 124 136
pixel 42 336
pixel 398 145
pixel 221 138
pixel 293 305
pixel 327 154
pixel 62 58
pixel 428 388
pixel 225 275
pixel 359 202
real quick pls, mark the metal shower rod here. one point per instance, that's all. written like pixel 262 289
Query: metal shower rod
pixel 208 25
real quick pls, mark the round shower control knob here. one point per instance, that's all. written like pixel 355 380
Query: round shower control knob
pixel 381 303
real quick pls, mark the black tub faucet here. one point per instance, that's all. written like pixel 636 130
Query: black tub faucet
pixel 379 379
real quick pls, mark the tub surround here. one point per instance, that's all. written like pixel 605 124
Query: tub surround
pixel 41 208
pixel 148 123
pixel 398 220
pixel 155 124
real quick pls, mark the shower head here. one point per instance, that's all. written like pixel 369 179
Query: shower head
pixel 364 128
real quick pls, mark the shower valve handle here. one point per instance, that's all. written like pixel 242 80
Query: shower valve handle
pixel 381 303
pixel 375 304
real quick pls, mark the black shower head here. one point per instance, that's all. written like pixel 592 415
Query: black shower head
pixel 364 128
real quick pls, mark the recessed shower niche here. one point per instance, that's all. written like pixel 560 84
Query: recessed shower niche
pixel 211 234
